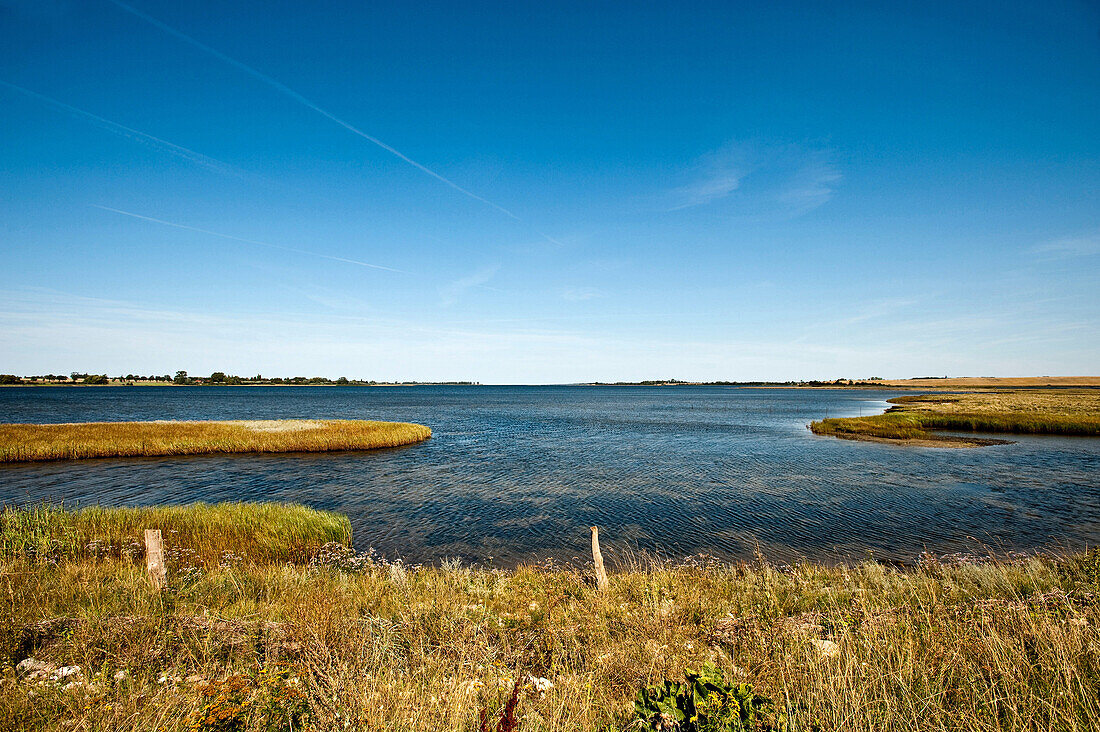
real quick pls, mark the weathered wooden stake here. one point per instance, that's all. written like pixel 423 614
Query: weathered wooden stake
pixel 154 559
pixel 597 559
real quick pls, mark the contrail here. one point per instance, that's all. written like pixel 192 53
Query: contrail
pixel 278 85
pixel 248 241
pixel 129 132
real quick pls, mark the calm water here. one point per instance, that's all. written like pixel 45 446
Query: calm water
pixel 519 473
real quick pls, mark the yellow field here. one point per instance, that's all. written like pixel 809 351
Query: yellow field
pixel 31 442
pixel 1023 411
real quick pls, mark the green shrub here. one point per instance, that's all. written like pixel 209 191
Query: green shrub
pixel 705 703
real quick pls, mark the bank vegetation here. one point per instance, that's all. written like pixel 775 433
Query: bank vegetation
pixel 35 442
pixel 247 638
pixel 912 419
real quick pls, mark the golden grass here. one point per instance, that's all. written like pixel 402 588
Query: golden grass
pixel 995 382
pixel 1038 411
pixel 254 533
pixel 35 442
pixel 943 646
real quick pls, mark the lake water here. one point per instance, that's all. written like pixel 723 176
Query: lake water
pixel 519 473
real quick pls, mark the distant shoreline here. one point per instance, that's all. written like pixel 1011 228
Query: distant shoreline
pixel 914 420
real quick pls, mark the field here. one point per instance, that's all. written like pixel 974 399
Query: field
pixel 1002 382
pixel 1022 411
pixel 34 442
pixel 347 641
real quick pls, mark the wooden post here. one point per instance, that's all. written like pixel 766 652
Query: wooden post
pixel 154 559
pixel 597 559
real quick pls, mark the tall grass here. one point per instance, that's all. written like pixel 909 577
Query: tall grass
pixel 265 645
pixel 204 533
pixel 1062 412
pixel 988 646
pixel 31 442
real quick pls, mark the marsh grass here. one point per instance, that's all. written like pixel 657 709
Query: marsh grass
pixel 943 645
pixel 35 442
pixel 206 534
pixel 1039 412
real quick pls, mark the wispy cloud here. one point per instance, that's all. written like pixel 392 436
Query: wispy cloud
pixel 304 101
pixel 231 237
pixel 1070 247
pixel 810 185
pixel 714 176
pixel 130 133
pixel 451 293
pixel 756 178
pixel 580 294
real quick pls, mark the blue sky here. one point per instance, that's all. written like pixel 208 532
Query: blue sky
pixel 550 192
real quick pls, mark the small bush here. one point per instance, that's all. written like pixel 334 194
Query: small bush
pixel 706 703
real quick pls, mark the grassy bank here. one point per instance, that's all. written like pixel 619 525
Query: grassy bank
pixel 253 533
pixel 34 442
pixel 1037 412
pixel 355 642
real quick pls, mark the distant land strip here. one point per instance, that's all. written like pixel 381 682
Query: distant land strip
pixel 927 382
pixel 41 442
pixel 217 378
pixel 1031 411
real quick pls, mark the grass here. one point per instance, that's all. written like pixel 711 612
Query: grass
pixel 1039 412
pixel 255 533
pixel 35 442
pixel 360 643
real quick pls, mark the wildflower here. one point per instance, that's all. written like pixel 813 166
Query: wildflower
pixel 540 684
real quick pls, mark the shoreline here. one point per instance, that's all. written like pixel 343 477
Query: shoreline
pixel 252 629
pixel 916 420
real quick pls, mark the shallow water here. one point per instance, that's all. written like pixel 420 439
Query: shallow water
pixel 519 473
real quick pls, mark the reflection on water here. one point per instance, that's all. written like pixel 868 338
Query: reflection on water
pixel 519 473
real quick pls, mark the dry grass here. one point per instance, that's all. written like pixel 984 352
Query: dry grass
pixel 254 533
pixel 970 382
pixel 370 645
pixel 1040 411
pixel 34 442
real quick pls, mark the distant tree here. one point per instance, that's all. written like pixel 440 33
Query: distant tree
pixel 10 379
pixel 218 377
pixel 96 379
pixel 181 378
pixel 342 380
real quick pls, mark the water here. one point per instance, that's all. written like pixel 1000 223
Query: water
pixel 519 473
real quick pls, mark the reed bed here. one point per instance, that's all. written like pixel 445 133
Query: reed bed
pixel 359 643
pixel 207 534
pixel 37 442
pixel 1038 412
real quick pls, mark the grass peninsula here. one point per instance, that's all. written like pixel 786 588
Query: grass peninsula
pixel 912 419
pixel 294 630
pixel 39 442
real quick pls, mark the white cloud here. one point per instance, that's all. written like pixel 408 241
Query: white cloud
pixel 451 293
pixel 750 178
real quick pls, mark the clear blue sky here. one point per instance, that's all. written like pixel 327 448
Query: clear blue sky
pixel 550 192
